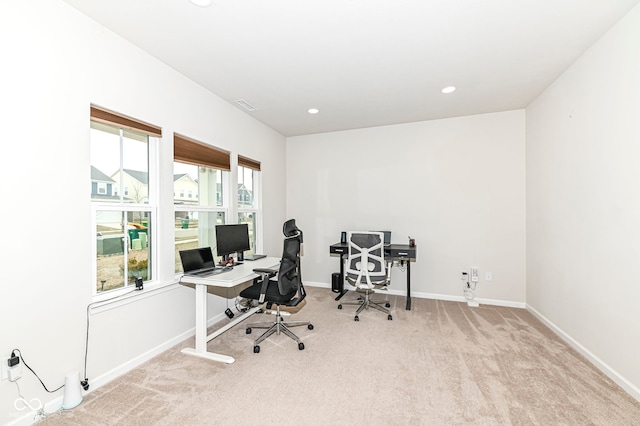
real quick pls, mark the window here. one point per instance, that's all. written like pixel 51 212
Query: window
pixel 123 204
pixel 202 172
pixel 249 198
pixel 102 188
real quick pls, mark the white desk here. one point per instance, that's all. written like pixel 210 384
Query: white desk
pixel 239 275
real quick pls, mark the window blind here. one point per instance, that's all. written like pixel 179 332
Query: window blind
pixel 102 115
pixel 190 151
pixel 248 162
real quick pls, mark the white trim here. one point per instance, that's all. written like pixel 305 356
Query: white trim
pixel 116 372
pixel 597 362
pixel 130 295
pixel 419 295
pixel 52 406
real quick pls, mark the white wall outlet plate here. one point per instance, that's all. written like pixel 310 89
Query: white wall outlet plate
pixel 5 369
pixel 474 275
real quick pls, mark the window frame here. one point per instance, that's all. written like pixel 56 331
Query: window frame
pixel 200 154
pixel 153 135
pixel 256 207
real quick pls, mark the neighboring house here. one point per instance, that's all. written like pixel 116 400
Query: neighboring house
pixel 102 186
pixel 185 189
pixel 135 185
pixel 245 196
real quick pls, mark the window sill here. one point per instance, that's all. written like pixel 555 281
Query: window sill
pixel 117 298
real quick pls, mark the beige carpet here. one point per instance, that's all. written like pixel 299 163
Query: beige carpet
pixel 442 363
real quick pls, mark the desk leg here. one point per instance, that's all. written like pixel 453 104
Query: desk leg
pixel 201 330
pixel 408 308
pixel 342 293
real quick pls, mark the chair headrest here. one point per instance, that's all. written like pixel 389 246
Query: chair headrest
pixel 289 229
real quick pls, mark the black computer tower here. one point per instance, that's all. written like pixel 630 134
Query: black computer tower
pixel 337 285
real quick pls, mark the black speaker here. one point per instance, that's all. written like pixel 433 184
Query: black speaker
pixel 336 283
pixel 343 237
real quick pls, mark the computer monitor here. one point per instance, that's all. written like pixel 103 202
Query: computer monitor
pixel 232 239
pixel 387 237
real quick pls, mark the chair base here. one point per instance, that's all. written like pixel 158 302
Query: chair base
pixel 365 302
pixel 277 327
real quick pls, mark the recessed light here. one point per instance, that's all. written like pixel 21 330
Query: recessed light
pixel 313 110
pixel 201 3
pixel 449 89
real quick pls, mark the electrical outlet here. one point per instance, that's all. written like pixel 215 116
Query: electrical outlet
pixel 15 373
pixel 474 274
pixel 10 373
pixel 464 276
pixel 488 276
pixel 5 369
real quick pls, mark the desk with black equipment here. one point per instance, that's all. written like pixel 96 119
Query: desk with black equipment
pixel 403 253
pixel 239 276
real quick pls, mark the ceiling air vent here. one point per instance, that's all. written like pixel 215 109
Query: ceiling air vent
pixel 246 105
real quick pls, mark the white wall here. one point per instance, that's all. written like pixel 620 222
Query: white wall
pixel 583 203
pixel 55 62
pixel 455 185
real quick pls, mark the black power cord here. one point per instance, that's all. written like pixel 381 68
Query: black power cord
pixel 85 382
pixel 13 355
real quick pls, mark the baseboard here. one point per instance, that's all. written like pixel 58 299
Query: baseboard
pixel 99 381
pixel 447 297
pixel 95 383
pixel 597 362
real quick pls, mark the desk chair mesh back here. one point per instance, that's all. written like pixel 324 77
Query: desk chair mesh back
pixel 285 289
pixel 367 270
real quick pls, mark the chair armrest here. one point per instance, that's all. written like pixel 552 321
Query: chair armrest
pixel 266 275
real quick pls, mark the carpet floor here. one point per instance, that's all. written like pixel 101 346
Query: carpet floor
pixel 442 363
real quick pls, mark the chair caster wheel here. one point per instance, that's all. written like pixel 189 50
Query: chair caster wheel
pixel 356 318
pixel 388 305
pixel 340 306
pixel 389 317
pixel 248 330
pixel 256 349
pixel 301 346
pixel 310 326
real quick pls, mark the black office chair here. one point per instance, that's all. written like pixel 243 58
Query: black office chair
pixel 284 290
pixel 367 271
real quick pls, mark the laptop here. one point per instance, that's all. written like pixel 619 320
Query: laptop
pixel 199 262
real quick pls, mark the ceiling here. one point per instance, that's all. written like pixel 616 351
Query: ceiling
pixel 364 63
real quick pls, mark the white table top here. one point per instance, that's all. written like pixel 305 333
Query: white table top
pixel 237 275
